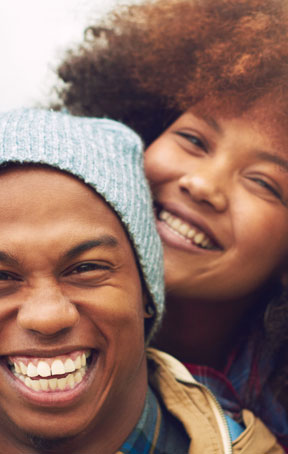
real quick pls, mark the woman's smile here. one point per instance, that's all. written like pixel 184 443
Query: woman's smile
pixel 190 235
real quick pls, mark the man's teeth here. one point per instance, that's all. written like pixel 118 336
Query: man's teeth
pixel 72 369
pixel 53 384
pixel 185 230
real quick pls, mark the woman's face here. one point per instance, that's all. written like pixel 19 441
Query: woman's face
pixel 221 196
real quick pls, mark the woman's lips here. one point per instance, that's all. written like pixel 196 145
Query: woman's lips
pixel 191 235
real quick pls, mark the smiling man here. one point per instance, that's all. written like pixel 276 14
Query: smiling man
pixel 81 294
pixel 73 298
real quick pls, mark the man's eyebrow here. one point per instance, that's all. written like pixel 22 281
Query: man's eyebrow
pixel 272 157
pixel 104 240
pixel 9 259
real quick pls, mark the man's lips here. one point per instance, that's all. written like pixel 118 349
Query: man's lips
pixel 193 230
pixel 51 374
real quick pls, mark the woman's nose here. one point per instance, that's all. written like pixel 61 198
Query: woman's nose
pixel 205 189
pixel 47 311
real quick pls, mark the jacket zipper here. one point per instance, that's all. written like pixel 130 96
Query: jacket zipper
pixel 220 418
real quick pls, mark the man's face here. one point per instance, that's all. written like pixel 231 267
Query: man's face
pixel 71 309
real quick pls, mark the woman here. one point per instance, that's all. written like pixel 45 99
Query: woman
pixel 205 84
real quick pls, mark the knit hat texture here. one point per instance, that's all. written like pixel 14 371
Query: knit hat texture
pixel 104 154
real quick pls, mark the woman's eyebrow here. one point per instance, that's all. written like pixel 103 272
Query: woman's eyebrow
pixel 210 121
pixel 272 157
pixel 104 240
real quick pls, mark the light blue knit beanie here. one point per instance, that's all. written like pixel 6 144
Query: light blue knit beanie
pixel 104 154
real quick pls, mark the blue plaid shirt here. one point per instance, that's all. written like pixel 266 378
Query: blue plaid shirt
pixel 157 432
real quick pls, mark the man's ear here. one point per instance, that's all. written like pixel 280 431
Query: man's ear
pixel 149 309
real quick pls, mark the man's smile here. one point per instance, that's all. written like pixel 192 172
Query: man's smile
pixel 51 374
pixel 53 380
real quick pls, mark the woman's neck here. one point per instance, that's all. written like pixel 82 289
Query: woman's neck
pixel 200 333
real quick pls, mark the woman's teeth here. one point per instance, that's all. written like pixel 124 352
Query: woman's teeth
pixel 45 374
pixel 185 230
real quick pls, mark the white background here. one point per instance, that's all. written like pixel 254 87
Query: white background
pixel 33 36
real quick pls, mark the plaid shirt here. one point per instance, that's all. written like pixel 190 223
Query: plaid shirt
pixel 157 432
pixel 246 374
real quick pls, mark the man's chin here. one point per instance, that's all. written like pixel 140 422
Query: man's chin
pixel 46 444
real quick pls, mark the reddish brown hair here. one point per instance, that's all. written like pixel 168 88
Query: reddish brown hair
pixel 148 63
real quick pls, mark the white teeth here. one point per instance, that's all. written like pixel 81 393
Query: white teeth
pixel 54 384
pixel 206 242
pixel 175 223
pixel 164 215
pixel 44 384
pixel 185 230
pixel 77 362
pixel 70 381
pixel 57 367
pixel 43 369
pixel 17 368
pixel 78 377
pixel 35 385
pixel 69 365
pixel 73 371
pixel 83 360
pixel 62 383
pixel 23 368
pixel 28 382
pixel 199 238
pixel 32 370
pixel 191 234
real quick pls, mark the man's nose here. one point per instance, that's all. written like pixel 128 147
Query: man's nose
pixel 205 187
pixel 47 311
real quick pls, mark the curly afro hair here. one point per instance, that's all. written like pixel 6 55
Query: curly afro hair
pixel 146 64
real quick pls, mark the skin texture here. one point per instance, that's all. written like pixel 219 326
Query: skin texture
pixel 54 302
pixel 228 177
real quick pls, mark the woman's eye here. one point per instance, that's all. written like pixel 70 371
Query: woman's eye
pixel 192 139
pixel 267 186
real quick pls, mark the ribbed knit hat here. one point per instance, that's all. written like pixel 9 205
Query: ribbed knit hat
pixel 104 154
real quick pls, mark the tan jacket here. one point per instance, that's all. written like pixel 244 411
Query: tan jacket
pixel 200 413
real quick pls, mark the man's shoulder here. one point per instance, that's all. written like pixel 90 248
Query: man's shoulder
pixel 197 409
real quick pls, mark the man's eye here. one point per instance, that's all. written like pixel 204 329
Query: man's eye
pixel 5 276
pixel 86 267
pixel 192 139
